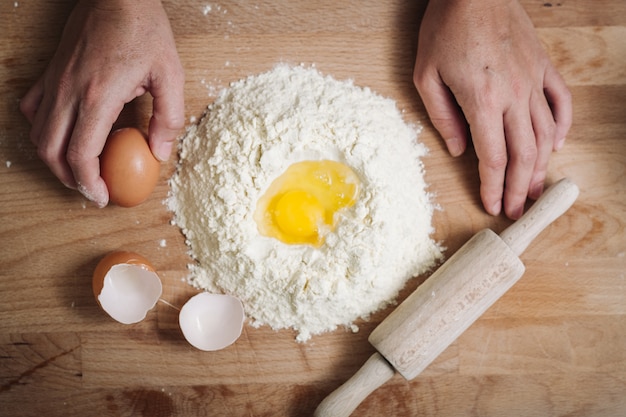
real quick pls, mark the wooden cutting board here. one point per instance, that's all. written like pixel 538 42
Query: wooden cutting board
pixel 553 345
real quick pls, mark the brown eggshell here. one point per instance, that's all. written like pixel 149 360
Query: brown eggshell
pixel 128 167
pixel 116 258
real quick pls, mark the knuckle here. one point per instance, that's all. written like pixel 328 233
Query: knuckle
pixel 34 137
pixel 74 157
pixel 496 160
pixel 487 98
pixel 171 122
pixel 46 154
pixel 177 123
pixel 527 155
pixel 545 131
pixel 26 108
pixel 418 79
pixel 424 79
pixel 549 132
pixel 92 95
pixel 50 156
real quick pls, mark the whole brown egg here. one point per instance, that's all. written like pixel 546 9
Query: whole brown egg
pixel 128 167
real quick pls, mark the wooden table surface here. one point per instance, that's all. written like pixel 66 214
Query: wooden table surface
pixel 554 345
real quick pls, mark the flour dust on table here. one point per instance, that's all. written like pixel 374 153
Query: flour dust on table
pixel 359 250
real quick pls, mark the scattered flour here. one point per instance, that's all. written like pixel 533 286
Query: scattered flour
pixel 250 135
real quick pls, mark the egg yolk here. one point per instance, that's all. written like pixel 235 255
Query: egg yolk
pixel 299 206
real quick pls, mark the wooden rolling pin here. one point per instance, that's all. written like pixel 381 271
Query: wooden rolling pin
pixel 448 302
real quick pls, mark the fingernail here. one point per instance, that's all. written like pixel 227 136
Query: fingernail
pixel 559 144
pixel 536 191
pixel 99 197
pixel 517 213
pixel 71 186
pixel 454 146
pixel 495 209
pixel 163 150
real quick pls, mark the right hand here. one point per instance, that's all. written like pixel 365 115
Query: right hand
pixel 480 65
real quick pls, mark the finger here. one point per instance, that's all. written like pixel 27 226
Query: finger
pixel 31 100
pixel 51 132
pixel 443 111
pixel 40 118
pixel 560 100
pixel 168 114
pixel 91 130
pixel 545 134
pixel 522 147
pixel 488 135
pixel 37 106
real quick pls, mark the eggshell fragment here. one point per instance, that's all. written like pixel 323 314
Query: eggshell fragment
pixel 211 321
pixel 126 286
pixel 128 167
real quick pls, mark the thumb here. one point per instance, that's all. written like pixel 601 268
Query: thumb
pixel 444 112
pixel 168 116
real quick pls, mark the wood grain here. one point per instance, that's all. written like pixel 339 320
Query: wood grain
pixel 551 346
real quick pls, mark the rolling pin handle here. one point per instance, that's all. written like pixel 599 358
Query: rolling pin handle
pixel 345 399
pixel 555 201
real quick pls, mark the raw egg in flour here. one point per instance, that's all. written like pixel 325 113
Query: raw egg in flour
pixel 300 205
pixel 126 286
pixel 128 167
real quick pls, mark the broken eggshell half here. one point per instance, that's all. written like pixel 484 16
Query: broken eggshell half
pixel 211 321
pixel 126 286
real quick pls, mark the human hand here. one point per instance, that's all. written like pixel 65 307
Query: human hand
pixel 111 52
pixel 481 64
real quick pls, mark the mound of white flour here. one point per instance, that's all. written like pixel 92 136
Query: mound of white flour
pixel 249 136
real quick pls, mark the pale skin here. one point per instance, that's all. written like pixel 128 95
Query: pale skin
pixel 484 76
pixel 111 52
pixel 479 64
